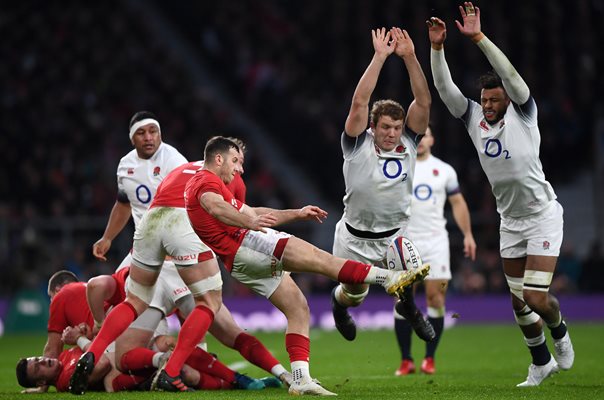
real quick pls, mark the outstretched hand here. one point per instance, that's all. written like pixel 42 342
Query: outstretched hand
pixel 383 43
pixel 437 31
pixel 312 212
pixel 403 43
pixel 471 20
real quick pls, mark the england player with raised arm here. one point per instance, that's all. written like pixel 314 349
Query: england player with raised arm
pixel 504 131
pixel 434 183
pixel 378 172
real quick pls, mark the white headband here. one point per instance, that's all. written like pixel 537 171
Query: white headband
pixel 143 122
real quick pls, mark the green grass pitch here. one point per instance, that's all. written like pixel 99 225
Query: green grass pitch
pixel 473 362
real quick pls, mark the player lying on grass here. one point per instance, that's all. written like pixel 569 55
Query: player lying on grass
pixel 201 371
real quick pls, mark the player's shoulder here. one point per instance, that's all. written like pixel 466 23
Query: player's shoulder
pixel 128 160
pixel 167 150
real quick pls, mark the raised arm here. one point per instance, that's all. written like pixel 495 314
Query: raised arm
pixel 456 102
pixel 418 114
pixel 514 85
pixel 356 122
pixel 215 205
pixel 461 214
pixel 120 214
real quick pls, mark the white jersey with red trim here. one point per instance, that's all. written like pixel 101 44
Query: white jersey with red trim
pixel 138 178
pixel 509 154
pixel 378 183
pixel 434 181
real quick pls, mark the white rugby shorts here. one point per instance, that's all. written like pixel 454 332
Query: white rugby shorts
pixel 166 231
pixel 538 235
pixel 258 261
pixel 435 251
pixel 368 251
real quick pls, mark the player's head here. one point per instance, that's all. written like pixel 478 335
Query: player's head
pixel 145 133
pixel 424 148
pixel 38 371
pixel 387 120
pixel 221 156
pixel 242 150
pixel 493 97
pixel 60 279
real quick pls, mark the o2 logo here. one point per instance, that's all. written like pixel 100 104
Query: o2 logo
pixel 143 194
pixel 394 171
pixel 493 149
pixel 422 192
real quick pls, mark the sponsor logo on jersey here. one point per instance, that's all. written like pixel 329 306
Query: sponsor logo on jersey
pixel 156 171
pixel 484 126
pixel 130 171
pixel 545 245
pixel 435 172
pixel 400 148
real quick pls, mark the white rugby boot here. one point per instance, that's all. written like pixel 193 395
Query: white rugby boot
pixel 398 281
pixel 564 353
pixel 311 387
pixel 538 373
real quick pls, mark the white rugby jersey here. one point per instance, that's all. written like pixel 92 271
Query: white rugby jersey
pixel 378 184
pixel 433 183
pixel 138 179
pixel 509 155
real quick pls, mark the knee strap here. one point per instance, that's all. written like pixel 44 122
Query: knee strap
pixel 145 293
pixel 203 286
pixel 526 316
pixel 537 280
pixel 516 286
pixel 354 298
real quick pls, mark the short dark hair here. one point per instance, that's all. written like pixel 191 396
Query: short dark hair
pixel 22 377
pixel 61 278
pixel 390 108
pixel 490 80
pixel 141 115
pixel 218 145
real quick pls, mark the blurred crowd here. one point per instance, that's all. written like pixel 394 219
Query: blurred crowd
pixel 72 75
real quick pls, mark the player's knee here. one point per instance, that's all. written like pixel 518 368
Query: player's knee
pixel 435 300
pixel 206 285
pixel 536 300
pixel 139 293
pixel 536 287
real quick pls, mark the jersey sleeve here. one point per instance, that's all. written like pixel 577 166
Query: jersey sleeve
pixel 452 183
pixel 350 145
pixel 414 136
pixel 527 111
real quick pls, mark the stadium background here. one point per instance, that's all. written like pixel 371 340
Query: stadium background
pixel 280 75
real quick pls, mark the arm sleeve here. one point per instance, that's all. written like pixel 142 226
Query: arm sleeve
pixel 351 144
pixel 513 83
pixel 450 94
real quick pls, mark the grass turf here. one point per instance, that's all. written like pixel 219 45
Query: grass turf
pixel 473 362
